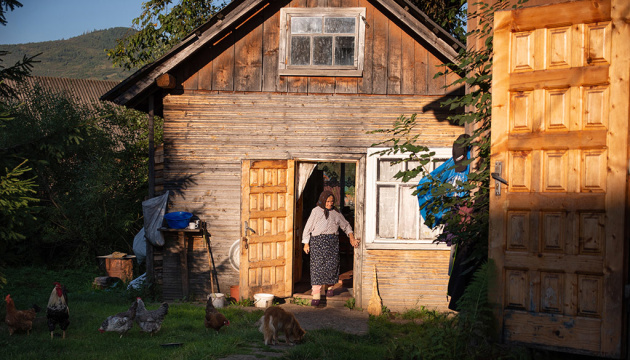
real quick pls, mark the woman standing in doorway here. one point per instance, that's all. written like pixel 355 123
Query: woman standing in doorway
pixel 321 240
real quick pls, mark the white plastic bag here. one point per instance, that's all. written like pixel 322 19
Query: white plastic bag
pixel 140 246
pixel 137 282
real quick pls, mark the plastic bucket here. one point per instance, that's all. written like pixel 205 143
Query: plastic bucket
pixel 178 219
pixel 263 300
pixel 218 300
pixel 234 292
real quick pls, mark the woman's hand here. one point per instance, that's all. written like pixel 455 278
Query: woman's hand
pixel 353 241
pixel 307 248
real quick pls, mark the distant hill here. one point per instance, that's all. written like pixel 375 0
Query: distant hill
pixel 80 57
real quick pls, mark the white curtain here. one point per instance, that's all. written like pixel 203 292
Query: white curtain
pixel 304 172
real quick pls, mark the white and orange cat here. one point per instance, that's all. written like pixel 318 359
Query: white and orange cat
pixel 276 320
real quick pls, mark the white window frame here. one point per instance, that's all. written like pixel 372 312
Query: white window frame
pixel 318 70
pixel 371 241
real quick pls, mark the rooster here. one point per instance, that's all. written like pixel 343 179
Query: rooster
pixel 214 319
pixel 150 321
pixel 121 322
pixel 57 311
pixel 21 320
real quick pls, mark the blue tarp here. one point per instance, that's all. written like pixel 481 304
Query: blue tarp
pixel 445 173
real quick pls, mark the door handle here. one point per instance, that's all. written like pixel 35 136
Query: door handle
pixel 246 238
pixel 498 180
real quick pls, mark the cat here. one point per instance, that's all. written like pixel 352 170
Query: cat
pixel 277 320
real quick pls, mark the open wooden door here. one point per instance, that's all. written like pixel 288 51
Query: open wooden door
pixel 559 138
pixel 267 227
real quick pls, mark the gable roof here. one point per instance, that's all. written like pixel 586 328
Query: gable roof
pixel 134 90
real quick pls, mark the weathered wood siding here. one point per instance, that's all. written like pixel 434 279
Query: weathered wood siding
pixel 407 279
pixel 396 61
pixel 208 135
pixel 185 271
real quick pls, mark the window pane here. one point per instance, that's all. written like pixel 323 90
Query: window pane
pixel 322 50
pixel 386 200
pixel 344 50
pixel 437 163
pixel 306 25
pixel 412 165
pixel 408 213
pixel 300 50
pixel 339 25
pixel 386 171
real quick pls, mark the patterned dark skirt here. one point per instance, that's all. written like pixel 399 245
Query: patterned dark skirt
pixel 324 259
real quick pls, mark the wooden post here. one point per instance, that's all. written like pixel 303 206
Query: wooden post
pixel 149 246
pixel 183 261
pixel 342 186
pixel 151 148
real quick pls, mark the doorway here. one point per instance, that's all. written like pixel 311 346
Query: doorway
pixel 312 179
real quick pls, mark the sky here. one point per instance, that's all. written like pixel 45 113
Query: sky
pixel 45 20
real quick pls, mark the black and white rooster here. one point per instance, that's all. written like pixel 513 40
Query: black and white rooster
pixel 57 311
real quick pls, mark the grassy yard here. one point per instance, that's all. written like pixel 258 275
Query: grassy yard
pixel 426 339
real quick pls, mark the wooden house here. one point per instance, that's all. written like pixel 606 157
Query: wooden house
pixel 261 98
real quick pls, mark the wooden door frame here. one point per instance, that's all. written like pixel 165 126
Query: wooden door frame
pixel 359 214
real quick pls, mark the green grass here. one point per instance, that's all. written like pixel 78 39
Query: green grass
pixel 429 336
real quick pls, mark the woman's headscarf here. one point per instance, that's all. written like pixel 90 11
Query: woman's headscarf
pixel 322 201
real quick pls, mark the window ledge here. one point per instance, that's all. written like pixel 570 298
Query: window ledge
pixel 406 246
pixel 319 72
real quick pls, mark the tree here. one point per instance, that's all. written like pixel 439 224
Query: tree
pixel 159 28
pixel 16 187
pixel 449 14
pixel 7 5
pixel 91 170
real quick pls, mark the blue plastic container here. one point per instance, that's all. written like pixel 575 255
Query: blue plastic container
pixel 178 219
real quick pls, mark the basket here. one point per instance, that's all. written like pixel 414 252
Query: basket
pixel 178 219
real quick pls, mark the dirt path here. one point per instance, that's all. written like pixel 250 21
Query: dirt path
pixel 336 318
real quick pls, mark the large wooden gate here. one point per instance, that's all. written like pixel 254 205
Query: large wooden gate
pixel 267 214
pixel 560 139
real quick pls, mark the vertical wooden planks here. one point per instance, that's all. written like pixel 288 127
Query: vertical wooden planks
pixel 205 77
pixel 408 70
pixel 223 65
pixel 394 60
pixel 435 85
pixel 270 42
pixel 364 83
pixel 248 56
pixel 421 57
pixel 380 53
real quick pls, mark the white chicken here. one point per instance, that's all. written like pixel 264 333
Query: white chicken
pixel 150 321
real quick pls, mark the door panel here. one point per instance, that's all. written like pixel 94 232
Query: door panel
pixel 267 246
pixel 559 134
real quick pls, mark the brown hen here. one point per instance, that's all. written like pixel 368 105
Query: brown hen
pixel 214 319
pixel 20 320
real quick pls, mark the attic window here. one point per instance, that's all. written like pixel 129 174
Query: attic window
pixel 322 41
